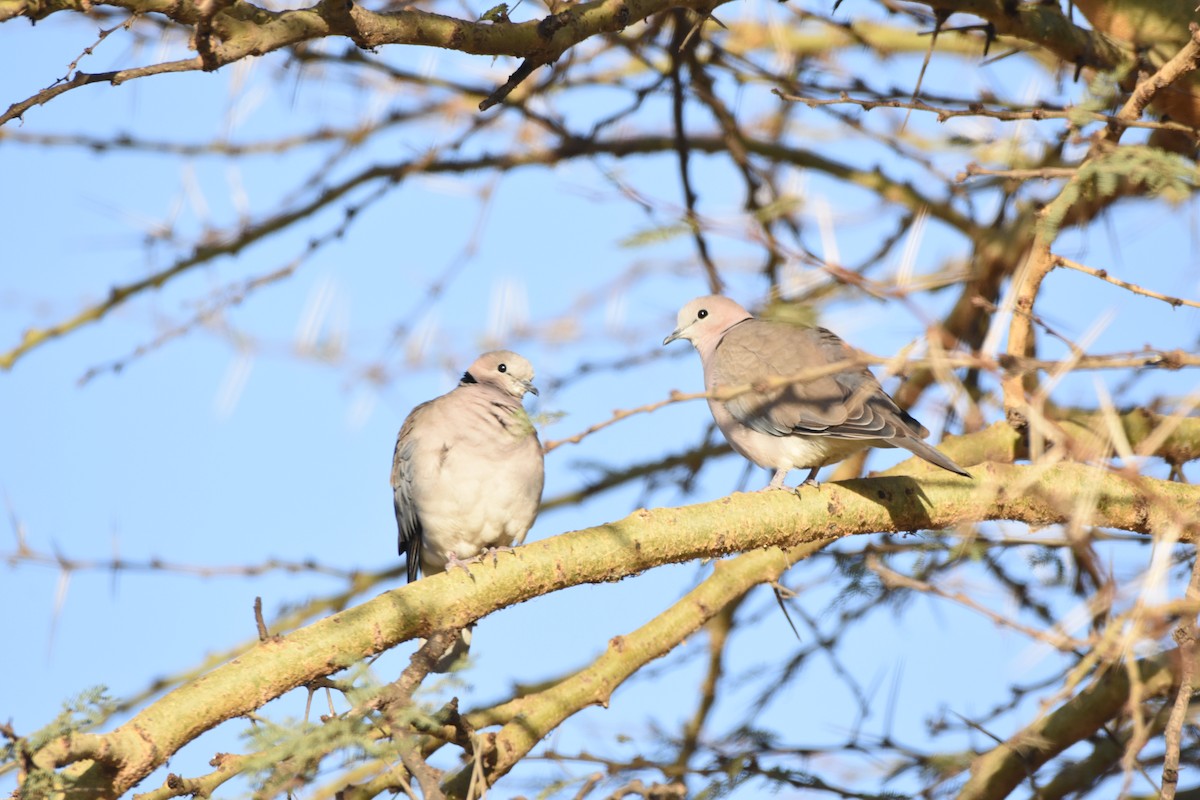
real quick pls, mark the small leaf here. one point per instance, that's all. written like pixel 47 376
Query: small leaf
pixel 656 235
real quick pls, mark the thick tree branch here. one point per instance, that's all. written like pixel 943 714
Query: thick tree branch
pixel 1046 25
pixel 1041 260
pixel 999 771
pixel 1082 434
pixel 530 718
pixel 242 29
pixel 1183 62
pixel 1036 495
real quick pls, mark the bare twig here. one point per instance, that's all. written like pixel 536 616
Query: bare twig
pixel 116 77
pixel 977 109
pixel 679 42
pixel 505 89
pixel 1056 639
pixel 260 623
pixel 1103 275
pixel 1041 173
pixel 1185 636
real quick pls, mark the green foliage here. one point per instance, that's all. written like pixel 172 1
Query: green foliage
pixel 1132 169
pixel 780 207
pixel 735 775
pixel 974 550
pixel 292 750
pixel 1080 114
pixel 802 314
pixel 497 13
pixel 542 419
pixel 289 752
pixel 757 738
pixel 940 766
pixel 81 712
pixel 1103 96
pixel 561 785
pixel 861 582
pixel 658 235
pixel 1049 557
pixel 864 585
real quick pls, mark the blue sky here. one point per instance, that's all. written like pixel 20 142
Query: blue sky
pixel 230 447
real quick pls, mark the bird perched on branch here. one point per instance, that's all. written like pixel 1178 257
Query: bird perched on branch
pixel 826 414
pixel 467 472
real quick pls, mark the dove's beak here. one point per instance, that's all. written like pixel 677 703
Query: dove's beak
pixel 675 334
pixel 529 387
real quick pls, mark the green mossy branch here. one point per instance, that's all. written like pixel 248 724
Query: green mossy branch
pixel 1046 25
pixel 1082 433
pixel 1121 172
pixel 1001 770
pixel 1036 495
pixel 238 30
pixel 242 29
pixel 528 719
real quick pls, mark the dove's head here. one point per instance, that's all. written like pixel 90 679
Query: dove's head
pixel 503 369
pixel 704 321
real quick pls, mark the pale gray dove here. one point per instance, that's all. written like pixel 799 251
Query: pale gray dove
pixel 467 473
pixel 804 424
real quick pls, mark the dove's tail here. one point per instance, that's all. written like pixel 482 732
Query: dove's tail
pixel 929 453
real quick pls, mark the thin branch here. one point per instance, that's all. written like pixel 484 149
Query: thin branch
pixel 1056 639
pixel 1060 261
pixel 228 297
pixel 115 78
pixel 505 89
pixel 1186 637
pixel 717 629
pixel 263 633
pixel 996 773
pixel 388 175
pixel 1041 173
pixel 1003 365
pixel 26 555
pixel 977 109
pixel 679 43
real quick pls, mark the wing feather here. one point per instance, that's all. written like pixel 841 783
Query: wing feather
pixel 408 522
pixel 849 404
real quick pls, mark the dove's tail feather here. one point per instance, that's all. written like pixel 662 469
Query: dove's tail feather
pixel 930 454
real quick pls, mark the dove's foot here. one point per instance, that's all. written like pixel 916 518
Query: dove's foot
pixel 810 480
pixel 780 474
pixel 494 553
pixel 454 562
pixel 776 481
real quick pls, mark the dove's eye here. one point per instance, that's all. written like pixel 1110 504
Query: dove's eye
pixel 503 367
pixel 701 314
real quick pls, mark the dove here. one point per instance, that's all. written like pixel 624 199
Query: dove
pixel 799 425
pixel 467 472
